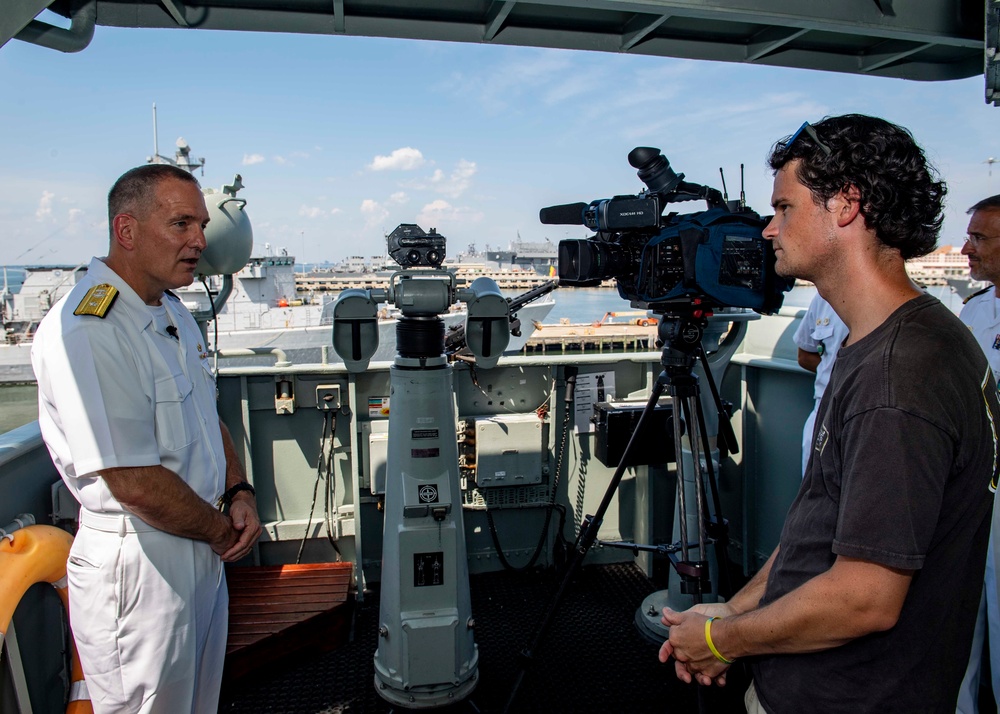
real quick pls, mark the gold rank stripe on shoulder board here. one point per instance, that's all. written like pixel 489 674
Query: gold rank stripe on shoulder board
pixel 97 301
pixel 977 293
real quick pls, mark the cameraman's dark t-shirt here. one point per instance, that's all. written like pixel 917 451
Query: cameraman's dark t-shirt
pixel 903 458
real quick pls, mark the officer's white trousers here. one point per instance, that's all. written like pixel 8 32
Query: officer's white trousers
pixel 149 612
pixel 988 618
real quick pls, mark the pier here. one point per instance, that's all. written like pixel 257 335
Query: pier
pixel 563 338
pixel 336 282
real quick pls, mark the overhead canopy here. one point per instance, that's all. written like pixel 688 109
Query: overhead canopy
pixel 911 39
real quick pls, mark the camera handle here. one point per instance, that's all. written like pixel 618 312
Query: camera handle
pixel 681 338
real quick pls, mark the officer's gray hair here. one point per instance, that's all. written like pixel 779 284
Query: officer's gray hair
pixel 986 203
pixel 135 190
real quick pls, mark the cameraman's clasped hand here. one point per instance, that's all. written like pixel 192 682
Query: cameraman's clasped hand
pixel 693 659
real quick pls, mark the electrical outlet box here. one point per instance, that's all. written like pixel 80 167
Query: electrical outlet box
pixel 509 450
pixel 328 397
pixel 375 435
pixel 284 395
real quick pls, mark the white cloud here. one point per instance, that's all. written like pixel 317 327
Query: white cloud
pixel 440 212
pixel 75 214
pixel 508 84
pixel 452 185
pixel 459 180
pixel 281 160
pixel 399 198
pixel 45 206
pixel 251 159
pixel 375 212
pixel 405 159
pixel 311 211
pixel 317 212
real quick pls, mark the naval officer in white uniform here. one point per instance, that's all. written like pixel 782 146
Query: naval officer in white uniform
pixel 127 408
pixel 981 313
pixel 818 337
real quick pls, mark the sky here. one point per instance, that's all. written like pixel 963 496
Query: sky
pixel 340 139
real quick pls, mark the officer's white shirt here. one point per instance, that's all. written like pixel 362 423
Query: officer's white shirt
pixel 821 325
pixel 982 315
pixel 120 391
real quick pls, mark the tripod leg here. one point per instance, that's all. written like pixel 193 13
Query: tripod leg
pixel 691 413
pixel 719 526
pixel 681 490
pixel 584 542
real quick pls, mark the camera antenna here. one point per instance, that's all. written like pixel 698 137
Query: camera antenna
pixel 743 196
pixel 725 191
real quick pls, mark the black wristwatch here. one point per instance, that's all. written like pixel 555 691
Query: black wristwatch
pixel 226 499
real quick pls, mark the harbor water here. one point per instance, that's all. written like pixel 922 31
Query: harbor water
pixel 18 404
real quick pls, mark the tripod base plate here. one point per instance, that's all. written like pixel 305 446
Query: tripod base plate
pixel 647 617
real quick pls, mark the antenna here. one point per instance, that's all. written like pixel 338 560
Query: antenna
pixel 725 191
pixel 990 161
pixel 156 145
pixel 743 196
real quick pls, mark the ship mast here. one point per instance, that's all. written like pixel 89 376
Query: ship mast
pixel 182 157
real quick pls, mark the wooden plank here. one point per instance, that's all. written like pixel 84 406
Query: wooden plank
pixel 276 611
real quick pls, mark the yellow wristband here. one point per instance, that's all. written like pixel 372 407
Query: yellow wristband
pixel 711 645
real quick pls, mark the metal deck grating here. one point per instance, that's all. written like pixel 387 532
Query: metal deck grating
pixel 592 661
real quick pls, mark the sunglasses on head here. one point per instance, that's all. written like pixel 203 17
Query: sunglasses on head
pixel 811 133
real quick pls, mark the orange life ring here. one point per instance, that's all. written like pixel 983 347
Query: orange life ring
pixel 37 554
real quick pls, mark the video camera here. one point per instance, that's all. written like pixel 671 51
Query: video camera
pixel 718 255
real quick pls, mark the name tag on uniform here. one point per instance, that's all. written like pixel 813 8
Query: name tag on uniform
pixel 822 437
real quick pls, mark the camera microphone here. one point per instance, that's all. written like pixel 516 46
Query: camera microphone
pixel 568 214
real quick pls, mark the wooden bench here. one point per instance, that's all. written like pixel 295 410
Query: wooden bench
pixel 279 610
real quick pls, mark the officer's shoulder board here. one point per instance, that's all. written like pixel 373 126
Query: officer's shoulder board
pixel 97 301
pixel 977 293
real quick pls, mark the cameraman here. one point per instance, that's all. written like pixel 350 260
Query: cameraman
pixel 868 602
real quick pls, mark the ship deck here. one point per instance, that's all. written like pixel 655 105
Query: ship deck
pixel 592 660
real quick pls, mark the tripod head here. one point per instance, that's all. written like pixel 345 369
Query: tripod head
pixel 681 329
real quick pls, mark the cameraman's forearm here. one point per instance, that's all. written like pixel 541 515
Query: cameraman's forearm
pixel 748 598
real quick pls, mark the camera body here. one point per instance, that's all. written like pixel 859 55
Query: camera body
pixel 718 256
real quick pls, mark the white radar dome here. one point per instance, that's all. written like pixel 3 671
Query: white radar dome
pixel 229 236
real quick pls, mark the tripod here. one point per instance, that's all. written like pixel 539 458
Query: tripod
pixel 680 330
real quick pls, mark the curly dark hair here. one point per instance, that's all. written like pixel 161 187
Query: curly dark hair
pixel 901 198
